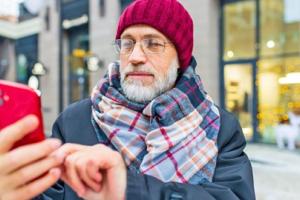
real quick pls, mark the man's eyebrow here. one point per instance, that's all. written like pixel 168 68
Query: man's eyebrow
pixel 152 36
pixel 127 36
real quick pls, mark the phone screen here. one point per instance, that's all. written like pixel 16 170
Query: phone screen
pixel 16 102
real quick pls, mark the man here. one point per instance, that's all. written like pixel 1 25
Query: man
pixel 149 130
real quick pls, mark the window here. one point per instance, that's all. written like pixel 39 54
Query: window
pixel 239 30
pixel 278 93
pixel 102 8
pixel 279 27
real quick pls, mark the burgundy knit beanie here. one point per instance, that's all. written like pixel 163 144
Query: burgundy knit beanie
pixel 167 16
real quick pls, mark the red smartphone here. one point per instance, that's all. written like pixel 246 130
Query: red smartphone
pixel 17 101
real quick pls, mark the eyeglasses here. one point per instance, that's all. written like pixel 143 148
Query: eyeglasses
pixel 149 46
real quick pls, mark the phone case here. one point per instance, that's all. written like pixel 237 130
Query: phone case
pixel 17 101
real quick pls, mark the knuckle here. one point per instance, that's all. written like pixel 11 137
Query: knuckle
pixel 69 161
pixel 80 165
pixel 66 148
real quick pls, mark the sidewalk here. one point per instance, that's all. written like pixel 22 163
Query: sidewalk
pixel 276 172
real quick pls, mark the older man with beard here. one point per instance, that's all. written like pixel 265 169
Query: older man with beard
pixel 149 130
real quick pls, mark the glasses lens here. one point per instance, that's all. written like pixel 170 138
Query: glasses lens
pixel 123 46
pixel 126 46
pixel 153 45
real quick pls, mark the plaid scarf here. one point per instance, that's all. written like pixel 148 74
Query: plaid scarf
pixel 172 138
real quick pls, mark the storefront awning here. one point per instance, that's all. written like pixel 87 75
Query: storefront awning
pixel 13 30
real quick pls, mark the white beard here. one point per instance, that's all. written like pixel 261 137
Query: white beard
pixel 137 92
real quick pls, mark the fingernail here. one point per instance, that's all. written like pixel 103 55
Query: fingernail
pixel 60 156
pixel 31 120
pixel 55 143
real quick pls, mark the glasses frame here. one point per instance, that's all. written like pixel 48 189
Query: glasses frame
pixel 145 50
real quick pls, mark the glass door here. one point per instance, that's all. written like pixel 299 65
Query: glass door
pixel 78 74
pixel 238 79
pixel 238 62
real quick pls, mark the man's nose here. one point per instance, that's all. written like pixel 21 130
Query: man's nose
pixel 137 55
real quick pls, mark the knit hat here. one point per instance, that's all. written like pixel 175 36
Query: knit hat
pixel 167 16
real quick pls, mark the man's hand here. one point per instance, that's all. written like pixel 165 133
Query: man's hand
pixel 27 171
pixel 95 172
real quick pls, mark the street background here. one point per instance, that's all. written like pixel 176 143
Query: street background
pixel 276 172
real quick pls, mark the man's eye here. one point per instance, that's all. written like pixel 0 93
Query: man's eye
pixel 126 45
pixel 154 43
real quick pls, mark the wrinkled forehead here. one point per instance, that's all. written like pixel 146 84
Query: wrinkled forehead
pixel 142 31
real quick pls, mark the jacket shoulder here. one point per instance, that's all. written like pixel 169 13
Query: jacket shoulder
pixel 82 106
pixel 74 124
pixel 230 130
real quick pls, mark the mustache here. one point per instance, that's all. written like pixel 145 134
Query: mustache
pixel 140 68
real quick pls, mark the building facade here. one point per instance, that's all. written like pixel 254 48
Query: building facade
pixel 260 63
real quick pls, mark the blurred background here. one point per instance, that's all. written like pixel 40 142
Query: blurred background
pixel 248 54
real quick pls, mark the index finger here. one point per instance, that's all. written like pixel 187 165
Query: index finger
pixel 69 148
pixel 11 134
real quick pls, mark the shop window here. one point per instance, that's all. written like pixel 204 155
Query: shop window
pixel 278 93
pixel 279 27
pixel 26 56
pixel 239 30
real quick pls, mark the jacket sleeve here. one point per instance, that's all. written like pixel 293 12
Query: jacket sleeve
pixel 232 179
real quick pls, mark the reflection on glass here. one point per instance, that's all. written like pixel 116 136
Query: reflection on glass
pixel 277 97
pixel 79 76
pixel 238 86
pixel 22 68
pixel 239 27
pixel 279 27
